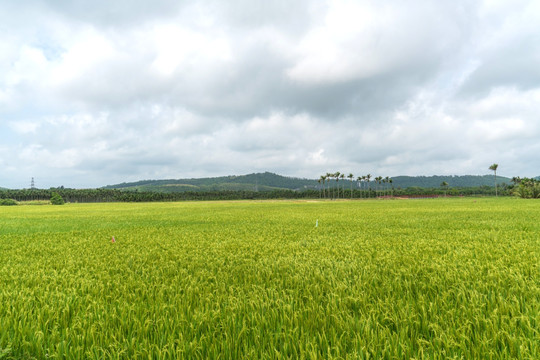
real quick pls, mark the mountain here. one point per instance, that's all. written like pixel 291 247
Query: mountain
pixel 269 181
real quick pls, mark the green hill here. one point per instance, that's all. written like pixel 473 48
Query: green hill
pixel 452 180
pixel 251 182
pixel 269 181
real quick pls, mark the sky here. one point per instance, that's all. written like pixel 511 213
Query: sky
pixel 100 92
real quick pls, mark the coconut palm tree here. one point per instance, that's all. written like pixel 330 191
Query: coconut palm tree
pixel 368 178
pixel 391 186
pixel 494 169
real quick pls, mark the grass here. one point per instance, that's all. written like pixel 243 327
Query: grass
pixel 446 278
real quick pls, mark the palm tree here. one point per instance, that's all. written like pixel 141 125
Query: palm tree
pixel 494 169
pixel 342 177
pixel 378 180
pixel 368 178
pixel 336 175
pixel 392 186
pixel 351 177
pixel 321 180
pixel 444 185
pixel 328 177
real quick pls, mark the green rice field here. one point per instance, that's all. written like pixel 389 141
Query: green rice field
pixel 376 279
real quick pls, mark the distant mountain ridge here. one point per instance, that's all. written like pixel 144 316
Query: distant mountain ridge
pixel 452 180
pixel 252 182
pixel 269 181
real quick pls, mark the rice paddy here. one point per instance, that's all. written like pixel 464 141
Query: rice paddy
pixel 393 279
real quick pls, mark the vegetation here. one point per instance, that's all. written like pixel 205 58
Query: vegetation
pixel 56 199
pixel 494 169
pixel 444 185
pixel 449 278
pixel 465 181
pixel 365 190
pixel 272 182
pixel 7 202
pixel 526 188
pixel 261 182
pixel 272 186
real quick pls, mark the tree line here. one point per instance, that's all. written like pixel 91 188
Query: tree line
pixel 363 186
pixel 115 195
pixel 367 190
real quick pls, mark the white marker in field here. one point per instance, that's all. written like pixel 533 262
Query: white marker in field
pixel 317 223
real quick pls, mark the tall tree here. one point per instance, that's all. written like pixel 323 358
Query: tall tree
pixel 516 180
pixel 368 178
pixel 328 177
pixel 342 177
pixel 494 169
pixel 378 180
pixel 444 185
pixel 351 177
pixel 336 175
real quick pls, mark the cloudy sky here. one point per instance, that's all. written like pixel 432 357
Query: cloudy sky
pixel 100 92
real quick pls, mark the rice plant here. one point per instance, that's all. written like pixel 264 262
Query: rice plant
pixel 447 278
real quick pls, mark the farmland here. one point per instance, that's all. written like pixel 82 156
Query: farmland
pixel 394 279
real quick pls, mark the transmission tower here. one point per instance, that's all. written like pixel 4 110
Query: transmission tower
pixel 32 185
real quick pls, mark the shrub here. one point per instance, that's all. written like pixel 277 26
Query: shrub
pixel 56 199
pixel 8 202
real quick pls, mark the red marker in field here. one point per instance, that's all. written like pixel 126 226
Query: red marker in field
pixel 113 240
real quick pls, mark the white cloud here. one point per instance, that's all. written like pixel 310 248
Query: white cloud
pixel 362 39
pixel 104 93
pixel 184 50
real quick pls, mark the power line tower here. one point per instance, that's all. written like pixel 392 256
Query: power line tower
pixel 32 184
